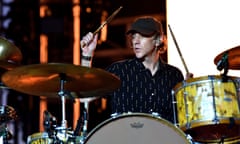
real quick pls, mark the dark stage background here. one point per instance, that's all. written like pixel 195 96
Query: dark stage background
pixel 21 24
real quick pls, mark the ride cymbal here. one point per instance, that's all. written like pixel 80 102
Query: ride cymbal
pixel 233 56
pixel 45 80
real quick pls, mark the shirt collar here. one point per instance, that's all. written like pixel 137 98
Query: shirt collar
pixel 140 66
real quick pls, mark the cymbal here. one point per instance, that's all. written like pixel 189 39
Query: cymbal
pixel 7 113
pixel 5 66
pixel 8 65
pixel 8 51
pixel 45 80
pixel 233 57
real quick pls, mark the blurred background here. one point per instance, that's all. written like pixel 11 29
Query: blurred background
pixel 55 25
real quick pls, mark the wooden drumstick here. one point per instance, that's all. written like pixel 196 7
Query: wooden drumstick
pixel 179 52
pixel 103 24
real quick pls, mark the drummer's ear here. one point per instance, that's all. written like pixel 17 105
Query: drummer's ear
pixel 158 40
pixel 162 44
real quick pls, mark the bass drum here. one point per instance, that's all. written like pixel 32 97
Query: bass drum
pixel 136 128
pixel 208 108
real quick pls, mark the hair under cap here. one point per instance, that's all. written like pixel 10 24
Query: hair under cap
pixel 146 26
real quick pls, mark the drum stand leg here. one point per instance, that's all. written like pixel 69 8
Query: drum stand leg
pixel 81 129
pixel 84 129
pixel 4 134
pixel 85 117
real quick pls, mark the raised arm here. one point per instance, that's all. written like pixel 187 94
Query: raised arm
pixel 88 46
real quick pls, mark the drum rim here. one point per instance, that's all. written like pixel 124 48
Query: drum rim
pixel 37 135
pixel 136 114
pixel 191 81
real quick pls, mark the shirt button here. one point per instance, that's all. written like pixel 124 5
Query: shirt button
pixel 152 94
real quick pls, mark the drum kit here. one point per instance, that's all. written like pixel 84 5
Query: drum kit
pixel 63 81
pixel 207 108
pixel 52 80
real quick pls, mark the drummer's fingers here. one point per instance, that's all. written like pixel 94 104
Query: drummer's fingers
pixel 86 39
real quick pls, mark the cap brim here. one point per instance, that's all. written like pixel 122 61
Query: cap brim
pixel 142 32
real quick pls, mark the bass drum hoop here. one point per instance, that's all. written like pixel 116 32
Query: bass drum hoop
pixel 178 131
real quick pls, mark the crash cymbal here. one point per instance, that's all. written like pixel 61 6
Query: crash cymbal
pixel 8 51
pixel 233 55
pixel 7 113
pixel 44 80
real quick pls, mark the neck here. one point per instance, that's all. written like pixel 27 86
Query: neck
pixel 151 63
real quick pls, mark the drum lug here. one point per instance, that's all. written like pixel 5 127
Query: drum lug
pixel 189 138
pixel 156 114
pixel 114 115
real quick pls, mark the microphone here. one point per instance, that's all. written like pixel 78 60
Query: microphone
pixel 222 62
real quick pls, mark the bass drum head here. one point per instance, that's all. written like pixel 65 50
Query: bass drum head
pixel 136 128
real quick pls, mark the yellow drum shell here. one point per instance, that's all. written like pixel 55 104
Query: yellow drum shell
pixel 208 107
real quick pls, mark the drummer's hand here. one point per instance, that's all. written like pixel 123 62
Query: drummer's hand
pixel 189 75
pixel 90 42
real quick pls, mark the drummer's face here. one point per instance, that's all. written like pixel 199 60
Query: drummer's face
pixel 142 46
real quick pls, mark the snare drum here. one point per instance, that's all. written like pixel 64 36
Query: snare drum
pixel 136 128
pixel 39 138
pixel 208 108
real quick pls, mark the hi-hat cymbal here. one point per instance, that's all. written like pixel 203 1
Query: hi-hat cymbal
pixel 7 113
pixel 233 55
pixel 44 80
pixel 8 51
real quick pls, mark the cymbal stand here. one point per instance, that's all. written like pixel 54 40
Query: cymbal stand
pixel 62 93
